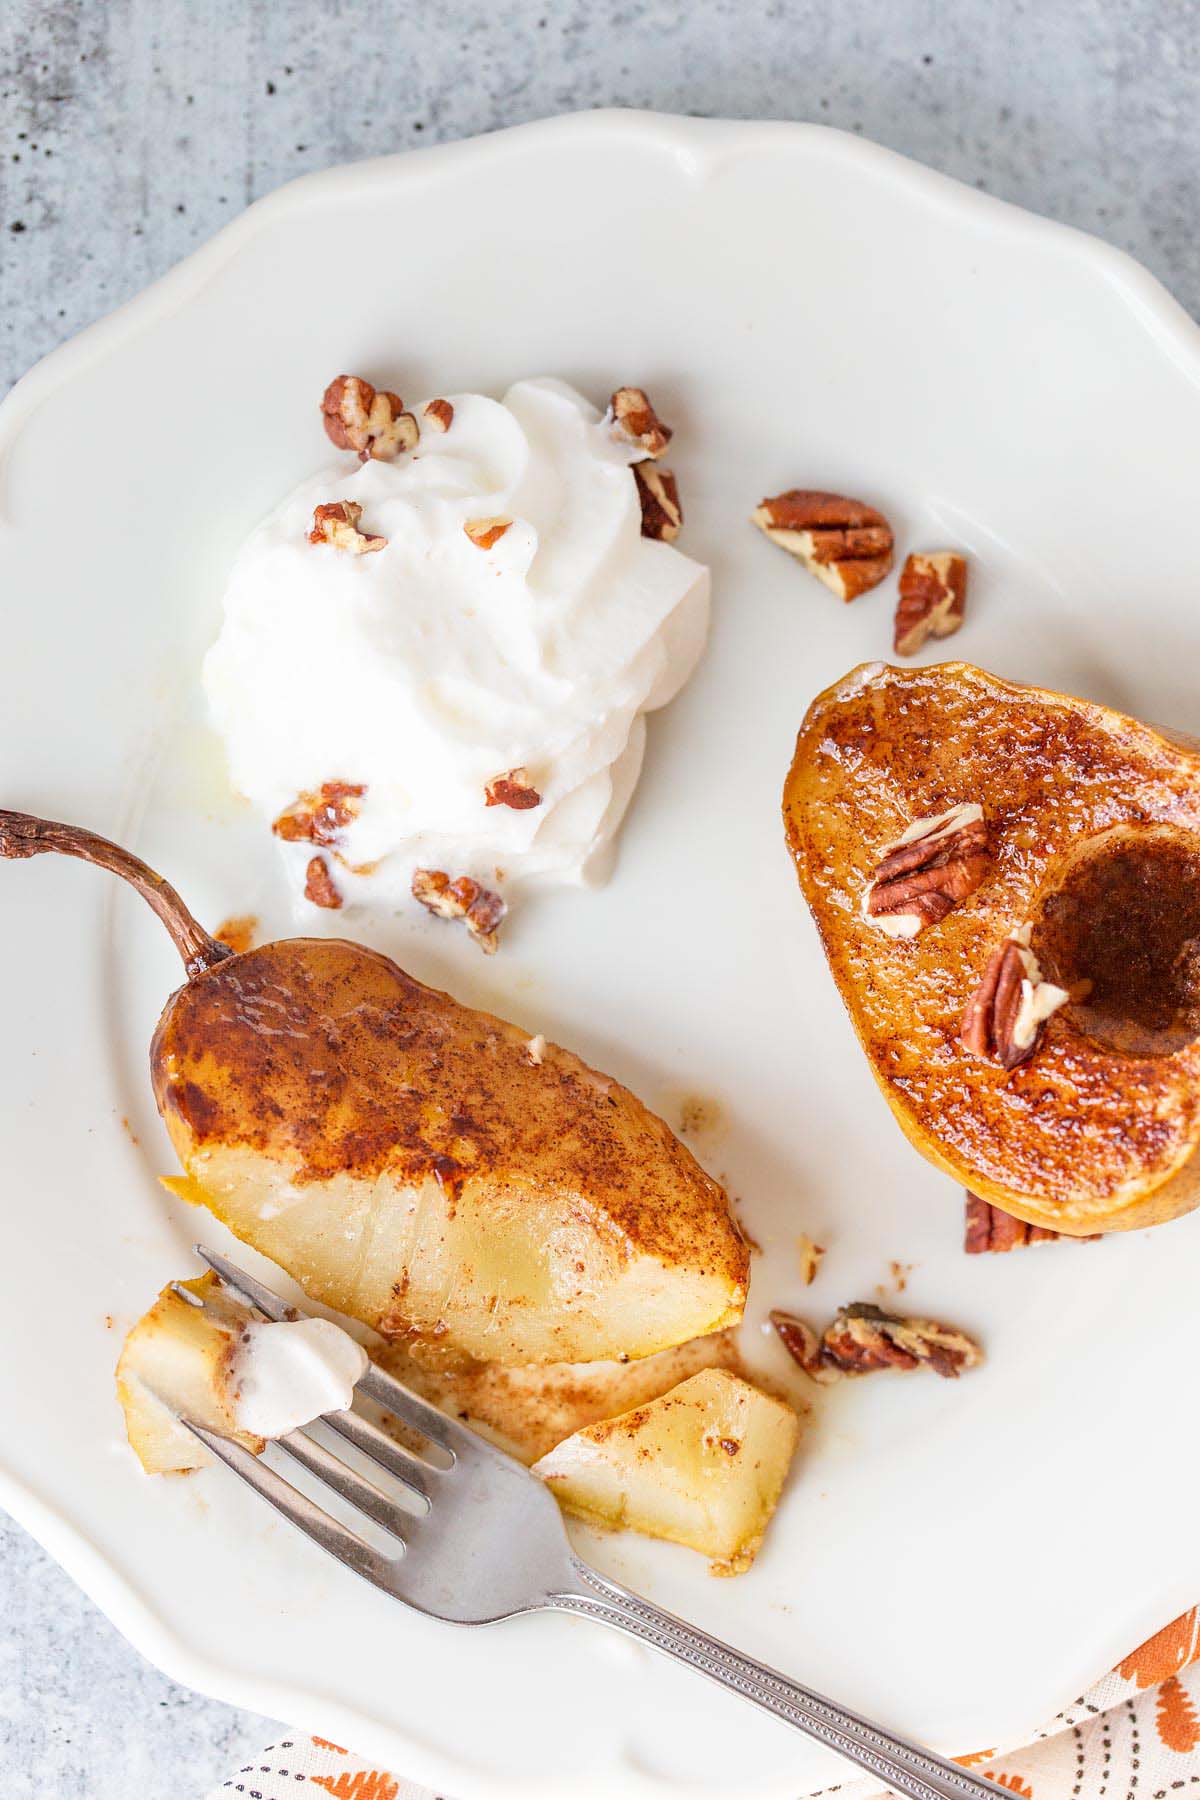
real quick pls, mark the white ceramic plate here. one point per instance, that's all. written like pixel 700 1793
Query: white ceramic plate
pixel 959 1559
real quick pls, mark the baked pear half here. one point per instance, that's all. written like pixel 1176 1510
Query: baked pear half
pixel 422 1167
pixel 1006 882
pixel 414 1164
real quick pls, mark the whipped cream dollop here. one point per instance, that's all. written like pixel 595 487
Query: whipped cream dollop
pixel 422 673
pixel 288 1372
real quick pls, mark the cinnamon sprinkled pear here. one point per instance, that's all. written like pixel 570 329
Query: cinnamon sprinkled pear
pixel 405 1159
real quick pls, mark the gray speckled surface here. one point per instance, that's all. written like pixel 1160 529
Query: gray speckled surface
pixel 130 130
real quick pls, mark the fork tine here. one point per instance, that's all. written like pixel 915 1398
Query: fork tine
pixel 381 1449
pixel 390 1393
pixel 297 1508
pixel 407 1467
pixel 347 1482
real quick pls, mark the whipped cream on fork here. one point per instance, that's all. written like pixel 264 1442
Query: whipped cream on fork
pixel 286 1373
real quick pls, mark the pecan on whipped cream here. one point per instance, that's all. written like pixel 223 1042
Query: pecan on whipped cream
pixel 658 493
pixel 370 421
pixel 336 522
pixel 319 885
pixel 513 788
pixel 632 418
pixel 321 815
pixel 485 533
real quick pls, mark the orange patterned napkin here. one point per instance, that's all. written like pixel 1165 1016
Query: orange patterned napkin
pixel 1134 1736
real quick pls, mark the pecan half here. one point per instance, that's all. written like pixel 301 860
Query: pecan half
pixel 320 817
pixel 319 886
pixel 864 1338
pixel 1006 1015
pixel 478 907
pixel 928 869
pixel 374 423
pixel 933 598
pixel 440 414
pixel 658 492
pixel 483 533
pixel 336 523
pixel 631 417
pixel 843 542
pixel 990 1228
pixel 514 789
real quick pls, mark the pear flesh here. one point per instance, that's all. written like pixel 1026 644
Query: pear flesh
pixel 703 1465
pixel 527 1409
pixel 179 1358
pixel 410 1163
pixel 426 1169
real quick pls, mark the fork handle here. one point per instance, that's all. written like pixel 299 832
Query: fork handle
pixel 898 1764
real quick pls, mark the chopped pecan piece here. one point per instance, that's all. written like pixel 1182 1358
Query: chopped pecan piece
pixel 319 886
pixel 658 492
pixel 843 542
pixel 478 907
pixel 321 817
pixel 810 1258
pixel 375 424
pixel 440 414
pixel 336 523
pixel 483 533
pixel 632 418
pixel 803 1346
pixel 989 1227
pixel 1006 1015
pixel 514 789
pixel 933 598
pixel 931 867
pixel 863 1338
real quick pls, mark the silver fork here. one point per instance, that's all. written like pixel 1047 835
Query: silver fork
pixel 481 1539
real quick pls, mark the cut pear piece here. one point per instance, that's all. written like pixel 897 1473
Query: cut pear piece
pixel 211 1360
pixel 703 1465
pixel 179 1358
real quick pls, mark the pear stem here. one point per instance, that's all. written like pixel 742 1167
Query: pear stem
pixel 23 835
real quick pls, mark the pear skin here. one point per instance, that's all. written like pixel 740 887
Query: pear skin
pixel 409 1162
